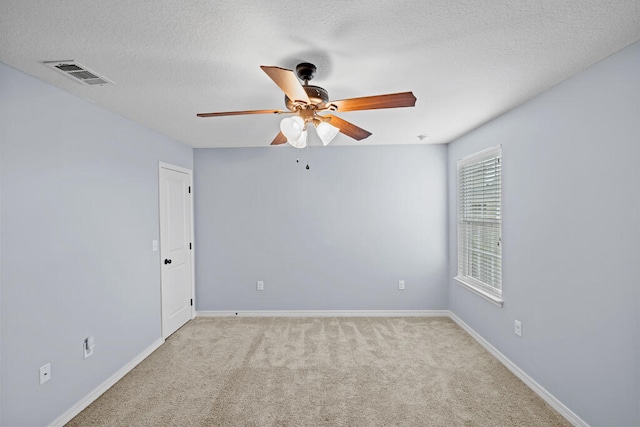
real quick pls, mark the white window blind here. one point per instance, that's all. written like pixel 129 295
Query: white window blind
pixel 480 221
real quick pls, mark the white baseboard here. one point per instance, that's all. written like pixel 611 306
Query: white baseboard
pixel 324 313
pixel 97 392
pixel 533 385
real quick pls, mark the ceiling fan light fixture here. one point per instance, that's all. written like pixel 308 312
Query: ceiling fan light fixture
pixel 301 142
pixel 326 132
pixel 292 127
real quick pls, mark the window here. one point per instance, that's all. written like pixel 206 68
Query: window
pixel 480 223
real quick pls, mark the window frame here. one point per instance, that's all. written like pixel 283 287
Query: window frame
pixel 476 253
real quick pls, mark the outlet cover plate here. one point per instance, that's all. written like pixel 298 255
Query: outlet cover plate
pixel 518 328
pixel 260 285
pixel 45 373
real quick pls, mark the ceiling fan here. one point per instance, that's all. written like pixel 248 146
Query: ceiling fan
pixel 305 102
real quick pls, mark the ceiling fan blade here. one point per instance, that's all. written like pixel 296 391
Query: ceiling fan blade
pixel 391 100
pixel 279 139
pixel 347 128
pixel 288 82
pixel 239 113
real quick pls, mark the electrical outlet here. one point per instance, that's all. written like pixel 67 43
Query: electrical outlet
pixel 401 285
pixel 87 346
pixel 45 373
pixel 518 328
pixel 260 285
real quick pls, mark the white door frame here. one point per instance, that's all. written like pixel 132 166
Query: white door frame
pixel 163 165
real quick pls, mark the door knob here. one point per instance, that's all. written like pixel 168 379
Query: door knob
pixel 167 261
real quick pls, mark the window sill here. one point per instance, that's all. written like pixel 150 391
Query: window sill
pixel 484 294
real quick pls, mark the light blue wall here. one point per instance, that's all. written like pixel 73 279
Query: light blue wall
pixel 571 191
pixel 79 212
pixel 338 236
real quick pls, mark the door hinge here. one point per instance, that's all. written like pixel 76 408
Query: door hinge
pixel 191 302
pixel 189 189
pixel 189 245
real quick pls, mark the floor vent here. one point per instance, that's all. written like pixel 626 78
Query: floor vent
pixel 78 72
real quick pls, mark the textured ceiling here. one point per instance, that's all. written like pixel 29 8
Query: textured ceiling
pixel 467 61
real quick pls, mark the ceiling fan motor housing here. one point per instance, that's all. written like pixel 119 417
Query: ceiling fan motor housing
pixel 317 95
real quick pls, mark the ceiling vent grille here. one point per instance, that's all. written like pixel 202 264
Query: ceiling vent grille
pixel 78 72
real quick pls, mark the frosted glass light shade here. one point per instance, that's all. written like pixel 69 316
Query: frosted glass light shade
pixel 326 132
pixel 292 127
pixel 301 142
pixel 294 130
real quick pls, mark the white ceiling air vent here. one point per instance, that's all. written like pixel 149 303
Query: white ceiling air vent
pixel 78 72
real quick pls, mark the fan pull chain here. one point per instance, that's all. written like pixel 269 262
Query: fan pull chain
pixel 298 158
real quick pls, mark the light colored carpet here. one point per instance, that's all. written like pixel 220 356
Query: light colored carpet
pixel 248 371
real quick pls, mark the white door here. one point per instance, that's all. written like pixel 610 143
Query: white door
pixel 175 248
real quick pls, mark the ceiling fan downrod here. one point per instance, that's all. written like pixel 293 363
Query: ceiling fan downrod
pixel 305 71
